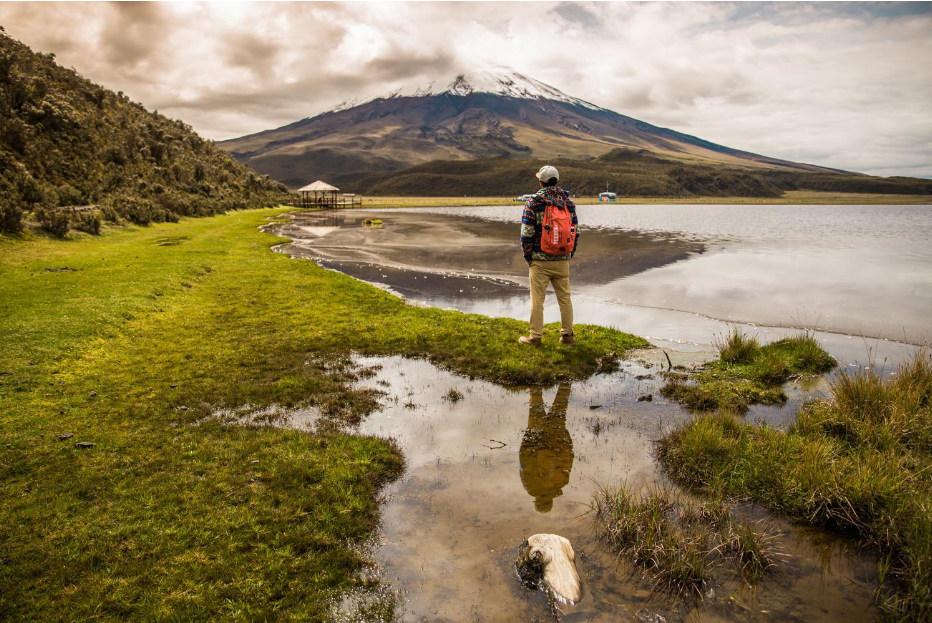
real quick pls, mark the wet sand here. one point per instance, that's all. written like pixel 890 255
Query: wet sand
pixel 457 246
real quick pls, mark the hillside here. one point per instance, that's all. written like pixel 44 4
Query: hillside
pixel 628 172
pixel 65 141
pixel 487 114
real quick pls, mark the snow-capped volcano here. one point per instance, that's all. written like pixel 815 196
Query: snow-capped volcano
pixel 481 114
pixel 498 80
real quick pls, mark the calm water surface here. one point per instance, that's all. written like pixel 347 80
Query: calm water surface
pixel 859 270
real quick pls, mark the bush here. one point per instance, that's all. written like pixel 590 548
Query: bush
pixel 56 222
pixel 68 195
pixel 65 141
pixel 11 219
pixel 88 222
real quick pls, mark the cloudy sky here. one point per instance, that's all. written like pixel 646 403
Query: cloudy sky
pixel 845 85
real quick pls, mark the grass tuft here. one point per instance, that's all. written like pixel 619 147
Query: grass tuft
pixel 682 542
pixel 453 396
pixel 737 347
pixel 747 373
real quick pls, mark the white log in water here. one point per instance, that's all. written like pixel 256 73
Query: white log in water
pixel 549 562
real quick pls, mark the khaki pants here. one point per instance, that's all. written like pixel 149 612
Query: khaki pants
pixel 557 273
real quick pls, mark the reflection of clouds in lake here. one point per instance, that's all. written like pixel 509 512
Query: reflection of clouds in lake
pixel 450 525
pixel 844 290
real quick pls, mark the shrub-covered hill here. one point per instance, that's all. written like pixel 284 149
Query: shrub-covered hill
pixel 65 141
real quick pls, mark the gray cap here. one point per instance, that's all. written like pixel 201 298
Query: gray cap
pixel 547 173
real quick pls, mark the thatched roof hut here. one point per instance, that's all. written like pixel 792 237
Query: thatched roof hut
pixel 319 193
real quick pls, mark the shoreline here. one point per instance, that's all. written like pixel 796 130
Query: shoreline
pixel 792 197
pixel 487 276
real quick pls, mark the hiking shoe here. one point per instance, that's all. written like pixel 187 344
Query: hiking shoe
pixel 527 339
pixel 567 338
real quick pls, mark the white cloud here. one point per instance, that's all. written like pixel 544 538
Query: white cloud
pixel 841 85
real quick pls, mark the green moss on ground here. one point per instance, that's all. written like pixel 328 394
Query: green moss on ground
pixel 859 462
pixel 747 373
pixel 130 341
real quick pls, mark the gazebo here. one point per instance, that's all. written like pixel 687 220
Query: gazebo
pixel 319 194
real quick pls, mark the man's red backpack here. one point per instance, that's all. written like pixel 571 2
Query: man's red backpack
pixel 558 234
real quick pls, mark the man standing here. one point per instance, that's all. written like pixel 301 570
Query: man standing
pixel 549 235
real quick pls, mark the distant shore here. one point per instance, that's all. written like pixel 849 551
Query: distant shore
pixel 793 197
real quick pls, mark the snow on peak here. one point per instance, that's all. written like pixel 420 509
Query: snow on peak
pixel 496 80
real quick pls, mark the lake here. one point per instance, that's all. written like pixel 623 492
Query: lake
pixel 861 276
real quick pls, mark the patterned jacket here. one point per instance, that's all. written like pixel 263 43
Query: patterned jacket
pixel 533 218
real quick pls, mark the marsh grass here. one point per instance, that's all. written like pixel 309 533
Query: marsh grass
pixel 453 395
pixel 737 347
pixel 132 341
pixel 682 542
pixel 747 373
pixel 859 461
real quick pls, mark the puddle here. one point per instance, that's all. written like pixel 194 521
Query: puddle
pixel 488 470
pixel 303 418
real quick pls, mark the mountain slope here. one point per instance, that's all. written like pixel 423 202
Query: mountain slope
pixel 628 172
pixel 66 141
pixel 487 114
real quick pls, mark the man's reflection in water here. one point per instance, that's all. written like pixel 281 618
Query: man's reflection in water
pixel 546 453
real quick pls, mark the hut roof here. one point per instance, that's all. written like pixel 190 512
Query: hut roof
pixel 318 186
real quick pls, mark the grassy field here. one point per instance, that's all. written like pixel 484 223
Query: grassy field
pixel 131 341
pixel 859 461
pixel 791 197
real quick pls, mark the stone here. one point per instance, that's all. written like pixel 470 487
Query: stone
pixel 65 436
pixel 646 616
pixel 548 562
pixel 83 445
pixel 646 398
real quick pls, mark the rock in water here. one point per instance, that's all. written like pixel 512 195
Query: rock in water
pixel 548 562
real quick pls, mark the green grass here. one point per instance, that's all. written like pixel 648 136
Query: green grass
pixel 859 462
pixel 747 373
pixel 681 542
pixel 131 341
